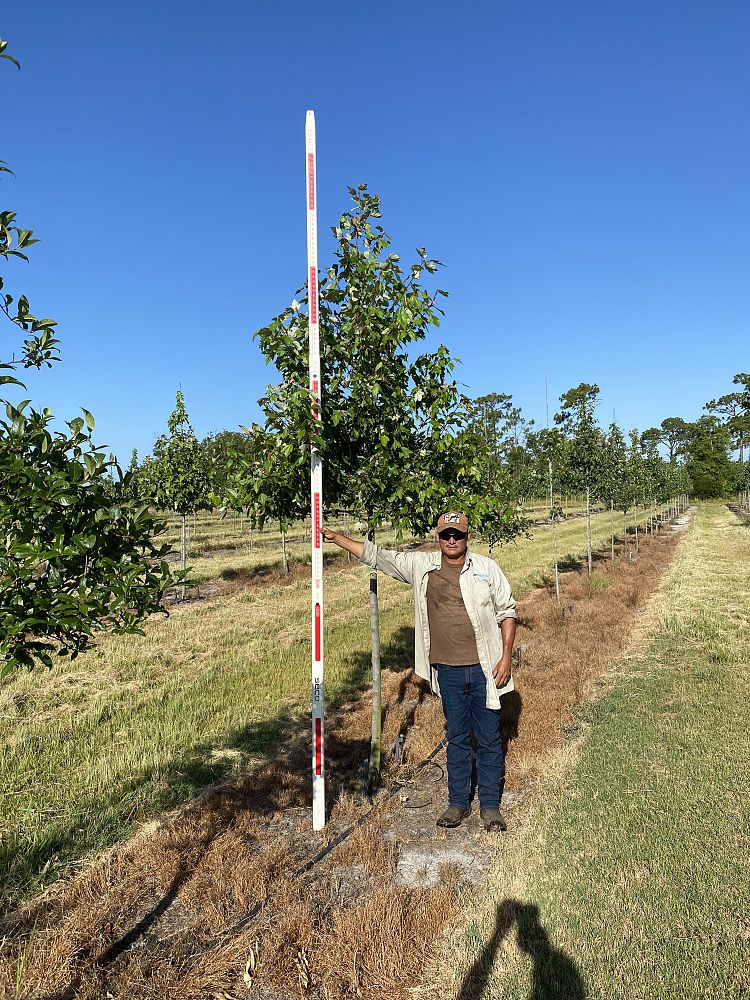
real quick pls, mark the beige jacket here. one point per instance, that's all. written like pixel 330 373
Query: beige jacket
pixel 487 599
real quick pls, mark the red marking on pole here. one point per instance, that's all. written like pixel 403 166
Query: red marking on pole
pixel 316 400
pixel 313 288
pixel 316 520
pixel 317 633
pixel 318 746
pixel 310 181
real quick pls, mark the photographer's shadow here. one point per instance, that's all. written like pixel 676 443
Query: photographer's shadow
pixel 555 976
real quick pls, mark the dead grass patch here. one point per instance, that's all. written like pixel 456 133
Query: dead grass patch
pixel 153 918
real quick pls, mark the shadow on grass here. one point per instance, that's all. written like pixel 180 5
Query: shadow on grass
pixel 555 975
pixel 264 574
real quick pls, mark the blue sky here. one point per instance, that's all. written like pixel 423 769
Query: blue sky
pixel 581 168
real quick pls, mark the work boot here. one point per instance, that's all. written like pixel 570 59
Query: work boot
pixel 453 816
pixel 493 821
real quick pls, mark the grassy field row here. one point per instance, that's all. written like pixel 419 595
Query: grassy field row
pixel 140 724
pixel 631 878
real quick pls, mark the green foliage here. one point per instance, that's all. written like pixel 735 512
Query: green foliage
pixel 613 486
pixel 222 450
pixel 584 464
pixel 707 461
pixel 263 484
pixel 545 461
pixel 742 477
pixel 177 475
pixel 498 428
pixel 671 433
pixel 72 559
pixel 734 407
pixel 392 435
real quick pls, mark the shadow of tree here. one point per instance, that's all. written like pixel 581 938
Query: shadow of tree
pixel 554 976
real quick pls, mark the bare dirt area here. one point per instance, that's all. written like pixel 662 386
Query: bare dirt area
pixel 235 896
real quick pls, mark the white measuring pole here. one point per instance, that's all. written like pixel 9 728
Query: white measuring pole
pixel 316 485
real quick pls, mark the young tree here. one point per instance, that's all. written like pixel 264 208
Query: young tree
pixel 266 485
pixel 75 555
pixel 613 488
pixel 221 449
pixel 390 436
pixel 585 445
pixel 546 466
pixel 178 474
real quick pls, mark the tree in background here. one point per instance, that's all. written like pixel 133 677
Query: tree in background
pixel 499 430
pixel 613 486
pixel 222 449
pixel 734 407
pixel 585 446
pixel 265 485
pixel 76 556
pixel 707 460
pixel 177 475
pixel 671 432
pixel 546 462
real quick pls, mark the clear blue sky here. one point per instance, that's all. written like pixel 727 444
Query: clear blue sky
pixel 581 168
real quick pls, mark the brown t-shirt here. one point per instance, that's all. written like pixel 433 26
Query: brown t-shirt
pixel 452 639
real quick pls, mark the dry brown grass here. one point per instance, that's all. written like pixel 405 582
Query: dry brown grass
pixel 345 928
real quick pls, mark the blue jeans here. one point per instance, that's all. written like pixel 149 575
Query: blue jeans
pixel 464 692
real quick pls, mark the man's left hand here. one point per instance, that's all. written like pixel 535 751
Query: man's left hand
pixel 501 672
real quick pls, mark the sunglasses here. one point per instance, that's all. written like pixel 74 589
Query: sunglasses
pixel 452 533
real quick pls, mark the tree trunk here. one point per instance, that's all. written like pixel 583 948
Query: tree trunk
pixel 374 770
pixel 612 520
pixel 346 532
pixel 625 529
pixel 183 550
pixel 554 535
pixel 284 560
pixel 635 523
pixel 588 525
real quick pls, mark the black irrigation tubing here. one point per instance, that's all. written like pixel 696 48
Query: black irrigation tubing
pixel 303 869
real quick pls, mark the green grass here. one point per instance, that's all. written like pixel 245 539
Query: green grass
pixel 139 724
pixel 643 885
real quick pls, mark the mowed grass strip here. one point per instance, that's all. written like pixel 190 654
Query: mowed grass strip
pixel 140 724
pixel 641 873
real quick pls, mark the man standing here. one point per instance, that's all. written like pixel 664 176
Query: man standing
pixel 465 625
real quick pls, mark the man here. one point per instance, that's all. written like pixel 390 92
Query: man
pixel 465 626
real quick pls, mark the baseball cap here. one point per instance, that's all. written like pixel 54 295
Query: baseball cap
pixel 452 519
